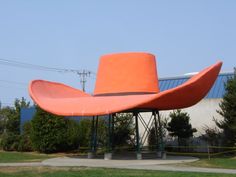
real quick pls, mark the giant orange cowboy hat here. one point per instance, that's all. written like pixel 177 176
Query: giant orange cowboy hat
pixel 125 81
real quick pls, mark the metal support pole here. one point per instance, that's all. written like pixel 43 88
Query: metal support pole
pixel 108 154
pixel 139 155
pixel 109 133
pixel 161 136
pixel 91 153
pixel 156 129
pixel 95 135
pixel 112 132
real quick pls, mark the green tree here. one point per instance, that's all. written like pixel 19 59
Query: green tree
pixel 123 129
pixel 122 135
pixel 10 124
pixel 13 115
pixel 85 132
pixel 5 113
pixel 228 112
pixel 212 136
pixel 2 126
pixel 10 141
pixel 102 131
pixel 72 140
pixel 153 138
pixel 52 133
pixel 25 143
pixel 180 127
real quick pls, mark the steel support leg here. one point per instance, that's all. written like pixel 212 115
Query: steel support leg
pixel 161 143
pixel 108 154
pixel 91 153
pixel 156 132
pixel 112 132
pixel 138 151
pixel 95 135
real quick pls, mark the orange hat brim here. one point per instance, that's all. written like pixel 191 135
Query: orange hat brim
pixel 63 100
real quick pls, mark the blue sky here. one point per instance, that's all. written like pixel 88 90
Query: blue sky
pixel 186 36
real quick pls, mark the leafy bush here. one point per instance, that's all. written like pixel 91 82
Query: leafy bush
pixel 48 132
pixel 212 136
pixel 85 132
pixel 11 116
pixel 72 140
pixel 51 133
pixel 123 129
pixel 25 143
pixel 10 125
pixel 152 139
pixel 10 141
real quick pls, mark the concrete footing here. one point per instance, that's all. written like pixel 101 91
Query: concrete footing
pixel 161 154
pixel 108 156
pixel 139 156
pixel 91 155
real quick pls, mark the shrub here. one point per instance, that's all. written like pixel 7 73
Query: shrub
pixel 84 132
pixel 10 141
pixel 49 132
pixel 212 136
pixel 10 125
pixel 11 115
pixel 72 140
pixel 123 129
pixel 25 143
pixel 152 139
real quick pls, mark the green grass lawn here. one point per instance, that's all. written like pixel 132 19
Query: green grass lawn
pixel 22 157
pixel 223 162
pixel 95 172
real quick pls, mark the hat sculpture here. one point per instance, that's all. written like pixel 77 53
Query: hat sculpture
pixel 125 81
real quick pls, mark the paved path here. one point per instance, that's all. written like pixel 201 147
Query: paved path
pixel 169 164
pixel 21 164
pixel 70 161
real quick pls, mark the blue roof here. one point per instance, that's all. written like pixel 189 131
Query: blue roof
pixel 217 91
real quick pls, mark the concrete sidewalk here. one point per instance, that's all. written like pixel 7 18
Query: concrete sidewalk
pixel 169 164
pixel 22 164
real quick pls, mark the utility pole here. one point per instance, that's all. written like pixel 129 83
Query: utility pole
pixel 83 77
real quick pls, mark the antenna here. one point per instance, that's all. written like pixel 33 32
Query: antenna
pixel 83 77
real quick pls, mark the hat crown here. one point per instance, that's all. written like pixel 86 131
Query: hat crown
pixel 127 73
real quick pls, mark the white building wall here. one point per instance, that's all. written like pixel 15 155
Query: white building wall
pixel 201 115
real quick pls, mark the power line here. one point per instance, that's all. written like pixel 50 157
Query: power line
pixel 83 74
pixel 33 66
pixel 13 82
pixel 18 89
